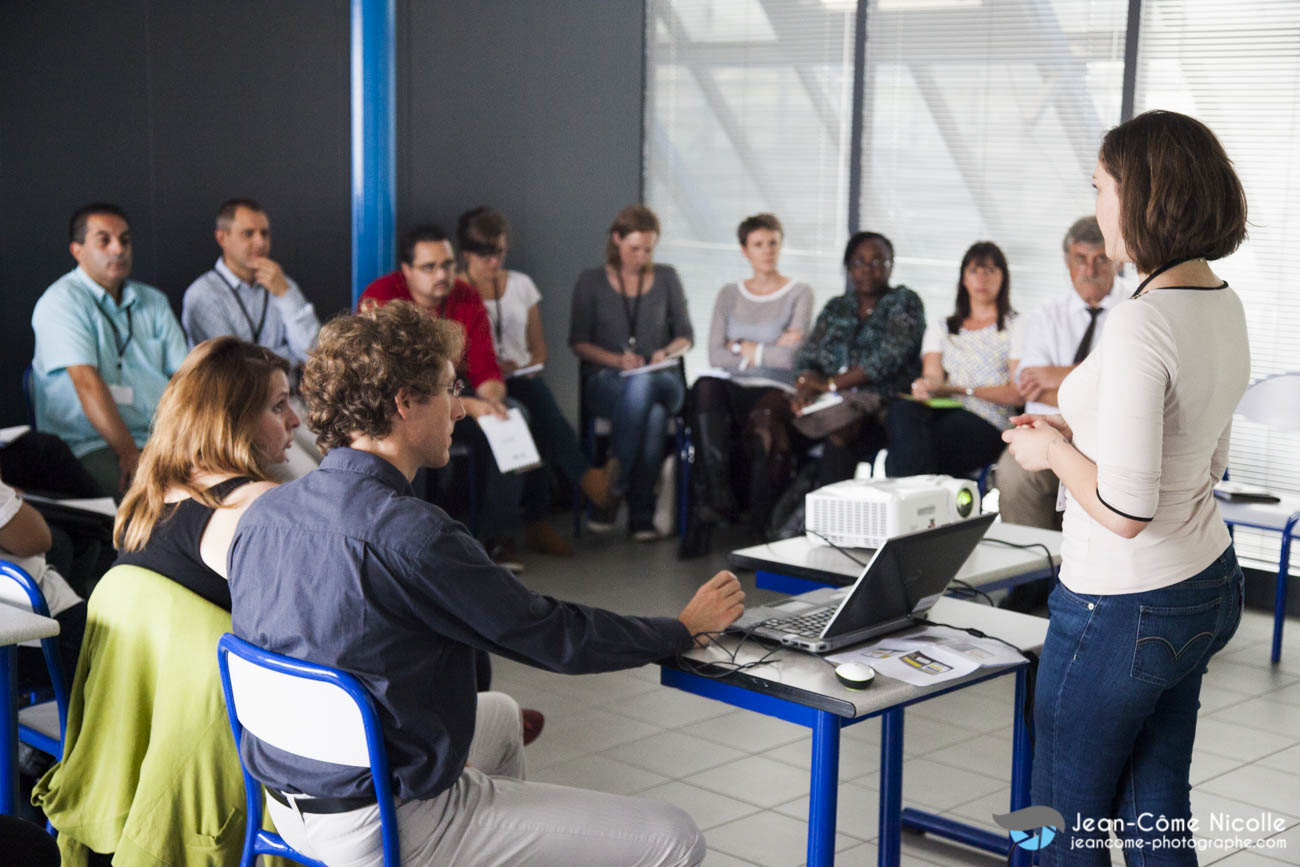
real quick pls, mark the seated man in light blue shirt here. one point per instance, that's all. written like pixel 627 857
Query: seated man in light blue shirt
pixel 246 294
pixel 105 348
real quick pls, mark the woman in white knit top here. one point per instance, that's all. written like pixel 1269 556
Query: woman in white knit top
pixel 1150 587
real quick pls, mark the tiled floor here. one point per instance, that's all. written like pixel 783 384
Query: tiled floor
pixel 744 777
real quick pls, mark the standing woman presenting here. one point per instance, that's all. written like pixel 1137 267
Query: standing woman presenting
pixel 1150 587
pixel 627 314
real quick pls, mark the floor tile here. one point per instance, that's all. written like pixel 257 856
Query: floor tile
pixel 987 754
pixel 768 839
pixel 589 730
pixel 1206 805
pixel 708 809
pixel 939 786
pixel 1255 680
pixel 856 759
pixel 674 754
pixel 1207 766
pixel 866 855
pixel 670 707
pixel 982 810
pixel 857 811
pixel 600 773
pixel 1262 713
pixel 722 859
pixel 754 779
pixel 746 730
pixel 1265 787
pixel 1225 738
pixel 968 710
pixel 1286 760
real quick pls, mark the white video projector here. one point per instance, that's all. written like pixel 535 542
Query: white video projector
pixel 863 513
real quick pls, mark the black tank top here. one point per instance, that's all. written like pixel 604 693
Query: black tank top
pixel 173 546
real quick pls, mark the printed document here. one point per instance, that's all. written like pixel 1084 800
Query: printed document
pixel 512 444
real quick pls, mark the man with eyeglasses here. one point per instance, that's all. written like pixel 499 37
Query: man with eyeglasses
pixel 1056 339
pixel 106 346
pixel 246 293
pixel 427 278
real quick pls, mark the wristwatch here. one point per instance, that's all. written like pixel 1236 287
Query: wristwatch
pixel 735 347
pixel 970 392
pixel 831 386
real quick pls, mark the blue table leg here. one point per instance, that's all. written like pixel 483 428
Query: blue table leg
pixel 822 800
pixel 1283 574
pixel 8 733
pixel 1022 758
pixel 891 788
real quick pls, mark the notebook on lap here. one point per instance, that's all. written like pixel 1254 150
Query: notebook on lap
pixel 903 580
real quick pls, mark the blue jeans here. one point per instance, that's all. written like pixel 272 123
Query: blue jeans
pixel 1115 713
pixel 638 408
pixel 556 443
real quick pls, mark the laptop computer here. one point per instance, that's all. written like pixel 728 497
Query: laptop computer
pixel 903 580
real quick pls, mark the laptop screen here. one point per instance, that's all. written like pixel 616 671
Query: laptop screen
pixel 908 574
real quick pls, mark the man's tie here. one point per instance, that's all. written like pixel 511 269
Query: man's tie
pixel 1085 345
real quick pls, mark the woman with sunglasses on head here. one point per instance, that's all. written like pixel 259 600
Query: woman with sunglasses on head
pixel 866 348
pixel 626 315
pixel 758 325
pixel 967 360
pixel 513 307
pixel 1149 586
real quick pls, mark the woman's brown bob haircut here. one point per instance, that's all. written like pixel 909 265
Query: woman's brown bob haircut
pixel 351 381
pixel 1178 194
pixel 756 222
pixel 205 422
pixel 633 218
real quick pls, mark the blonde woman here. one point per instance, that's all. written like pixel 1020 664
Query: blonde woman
pixel 222 423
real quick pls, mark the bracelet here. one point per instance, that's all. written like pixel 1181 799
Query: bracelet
pixel 970 392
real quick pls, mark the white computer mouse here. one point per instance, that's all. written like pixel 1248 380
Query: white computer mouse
pixel 855 675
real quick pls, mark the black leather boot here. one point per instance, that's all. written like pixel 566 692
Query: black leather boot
pixel 714 501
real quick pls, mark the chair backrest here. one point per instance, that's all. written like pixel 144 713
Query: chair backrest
pixel 1273 401
pixel 308 710
pixel 19 589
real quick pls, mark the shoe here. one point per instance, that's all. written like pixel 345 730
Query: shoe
pixel 541 536
pixel 503 553
pixel 533 724
pixel 598 483
pixel 696 541
pixel 645 532
pixel 601 519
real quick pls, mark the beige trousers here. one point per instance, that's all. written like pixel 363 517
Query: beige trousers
pixel 1025 497
pixel 492 816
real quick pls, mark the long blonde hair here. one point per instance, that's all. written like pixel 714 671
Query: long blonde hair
pixel 205 422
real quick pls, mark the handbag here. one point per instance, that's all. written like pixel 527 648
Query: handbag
pixel 854 406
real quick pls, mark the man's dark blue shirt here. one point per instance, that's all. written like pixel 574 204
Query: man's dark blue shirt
pixel 345 567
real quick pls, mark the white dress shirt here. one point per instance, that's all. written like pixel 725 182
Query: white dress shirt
pixel 1050 335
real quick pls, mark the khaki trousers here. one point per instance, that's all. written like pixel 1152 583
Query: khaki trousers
pixel 492 816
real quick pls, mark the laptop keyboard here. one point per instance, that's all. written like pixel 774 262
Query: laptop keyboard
pixel 805 625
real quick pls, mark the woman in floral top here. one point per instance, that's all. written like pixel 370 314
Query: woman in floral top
pixel 967 358
pixel 867 340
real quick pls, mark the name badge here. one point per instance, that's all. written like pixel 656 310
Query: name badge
pixel 122 394
pixel 1061 491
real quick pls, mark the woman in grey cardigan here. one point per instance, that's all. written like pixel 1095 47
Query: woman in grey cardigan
pixel 626 315
pixel 758 325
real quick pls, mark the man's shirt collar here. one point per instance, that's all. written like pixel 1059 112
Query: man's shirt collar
pixel 98 293
pixel 1112 298
pixel 227 275
pixel 351 460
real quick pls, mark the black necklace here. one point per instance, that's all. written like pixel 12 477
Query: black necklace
pixel 1165 267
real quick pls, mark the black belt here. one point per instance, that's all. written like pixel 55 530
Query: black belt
pixel 319 805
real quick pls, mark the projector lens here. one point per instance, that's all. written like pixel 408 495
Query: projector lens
pixel 965 502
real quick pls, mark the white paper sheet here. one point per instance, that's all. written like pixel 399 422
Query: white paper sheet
pixel 826 401
pixel 100 505
pixel 671 361
pixel 932 655
pixel 526 371
pixel 512 443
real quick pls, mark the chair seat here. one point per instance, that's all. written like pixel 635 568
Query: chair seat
pixel 1265 516
pixel 43 718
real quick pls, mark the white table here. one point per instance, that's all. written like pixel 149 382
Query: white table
pixel 788 566
pixel 801 688
pixel 16 626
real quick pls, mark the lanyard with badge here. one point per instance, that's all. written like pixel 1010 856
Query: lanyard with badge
pixel 255 330
pixel 631 311
pixel 118 343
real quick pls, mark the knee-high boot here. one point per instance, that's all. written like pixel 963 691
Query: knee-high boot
pixel 714 499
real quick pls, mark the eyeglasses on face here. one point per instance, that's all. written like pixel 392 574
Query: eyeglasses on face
pixel 456 389
pixel 876 264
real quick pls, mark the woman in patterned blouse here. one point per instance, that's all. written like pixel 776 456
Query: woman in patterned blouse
pixel 968 368
pixel 867 340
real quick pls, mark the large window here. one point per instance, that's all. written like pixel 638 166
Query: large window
pixel 748 109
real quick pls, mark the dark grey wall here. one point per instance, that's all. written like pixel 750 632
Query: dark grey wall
pixel 167 109
pixel 532 108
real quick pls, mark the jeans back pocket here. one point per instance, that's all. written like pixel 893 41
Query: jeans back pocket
pixel 1174 642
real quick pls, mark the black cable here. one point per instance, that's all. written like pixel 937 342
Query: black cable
pixel 729 665
pixel 1051 564
pixel 838 548
pixel 966 590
